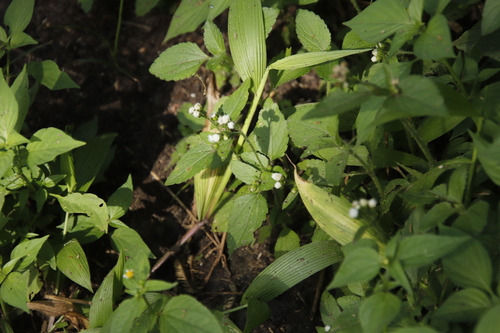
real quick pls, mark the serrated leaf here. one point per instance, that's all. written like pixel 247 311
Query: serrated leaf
pixel 122 318
pixel 328 308
pixel 185 314
pixel 235 103
pixel 377 311
pixel 464 305
pixel 48 73
pixel 178 62
pixel 244 172
pixel 247 214
pixel 292 268
pixel 88 204
pixel 359 265
pixel 213 39
pixel 47 143
pixel 312 31
pixel 287 241
pixel 247 39
pixel 435 42
pixel 119 202
pixel 312 59
pixel 380 20
pixel 72 262
pixel 270 135
pixel 18 15
pixel 270 15
pixel 13 290
pixel 196 159
pixel 420 250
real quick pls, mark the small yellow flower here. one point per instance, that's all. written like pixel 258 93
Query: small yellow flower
pixel 129 273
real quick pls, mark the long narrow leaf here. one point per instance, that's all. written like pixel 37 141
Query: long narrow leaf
pixel 312 58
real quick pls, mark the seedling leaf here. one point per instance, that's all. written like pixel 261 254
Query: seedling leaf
pixel 18 15
pixel 49 74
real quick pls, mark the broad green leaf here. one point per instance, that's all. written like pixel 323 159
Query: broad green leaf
pixel 457 183
pixel 305 129
pixel 235 103
pixel 213 39
pixel 287 241
pixel 435 7
pixel 191 13
pixel 436 216
pixel 9 110
pixel 416 9
pixel 435 42
pixel 119 202
pixel 257 313
pixel 247 39
pixel 89 159
pixel 339 102
pixel 489 102
pixel 178 62
pixel 18 15
pixel 469 266
pixel 144 6
pixel 312 31
pixel 328 308
pixel 21 93
pixel 353 41
pixel 247 214
pixel 418 329
pixel 403 36
pixel 359 265
pixel 245 172
pixel 13 290
pixel 270 135
pixel 489 156
pixel 6 161
pixel 49 74
pixel 28 251
pixel 464 305
pixel 312 59
pixel 331 213
pixel 270 15
pixel 185 314
pixel 474 219
pixel 88 204
pixel 129 242
pixel 383 157
pixel 122 318
pixel 292 268
pixel 491 17
pixel 377 312
pixel 398 273
pixel 196 159
pixel 489 322
pixel 72 262
pixel 434 127
pixel 20 39
pixel 380 20
pixel 420 250
pixel 47 143
pixel 84 229
pixel 158 285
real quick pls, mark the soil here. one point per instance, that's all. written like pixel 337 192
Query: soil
pixel 126 99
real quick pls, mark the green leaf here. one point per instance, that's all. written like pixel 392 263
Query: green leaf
pixel 247 214
pixel 474 219
pixel 359 265
pixel 47 143
pixel 434 127
pixel 457 183
pixel 196 159
pixel 491 17
pixel 244 172
pixel 48 73
pixel 312 58
pixel 158 285
pixel 489 102
pixel 270 15
pixel 178 62
pixel 21 93
pixel 13 290
pixel 144 6
pixel 312 31
pixel 292 268
pixel 235 103
pixel 270 135
pixel 469 266
pixel 129 242
pixel 353 41
pixel 119 202
pixel 436 216
pixel 490 321
pixel 28 251
pixel 377 311
pixel 435 42
pixel 18 15
pixel 489 156
pixel 380 20
pixel 9 110
pixel 247 39
pixel 257 313
pixel 213 39
pixel 88 204
pixel 86 5
pixel 6 161
pixel 287 241
pixel 328 308
pixel 185 314
pixel 122 318
pixel 72 262
pixel 419 329
pixel 340 101
pixel 463 305
pixel 420 250
pixel 305 129
pixel 436 7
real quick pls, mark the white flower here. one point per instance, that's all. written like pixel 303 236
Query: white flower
pixel 353 213
pixel 355 204
pixel 277 185
pixel 197 107
pixel 230 125
pixel 363 202
pixel 196 114
pixel 224 119
pixel 374 53
pixel 372 203
pixel 214 138
pixel 327 328
pixel 191 110
pixel 276 176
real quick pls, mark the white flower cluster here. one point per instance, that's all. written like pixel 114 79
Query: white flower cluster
pixel 226 120
pixel 376 57
pixel 195 110
pixel 357 205
pixel 277 177
pixel 214 138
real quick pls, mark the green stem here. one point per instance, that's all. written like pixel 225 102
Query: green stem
pixel 473 167
pixel 118 27
pixel 253 149
pixel 371 172
pixel 241 307
pixel 65 228
pixel 455 77
pixel 410 129
pixel 355 4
